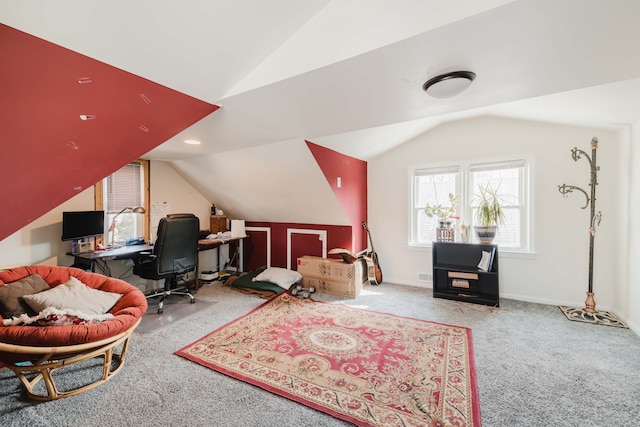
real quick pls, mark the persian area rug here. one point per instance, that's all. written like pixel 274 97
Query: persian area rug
pixel 365 367
pixel 597 317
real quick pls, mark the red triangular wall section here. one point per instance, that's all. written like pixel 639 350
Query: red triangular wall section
pixel 48 153
pixel 352 194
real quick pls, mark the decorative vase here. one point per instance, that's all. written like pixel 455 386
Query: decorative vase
pixel 485 234
pixel 464 232
pixel 446 232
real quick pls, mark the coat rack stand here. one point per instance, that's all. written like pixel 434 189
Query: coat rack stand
pixel 589 312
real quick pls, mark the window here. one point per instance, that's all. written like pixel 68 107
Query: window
pixel 125 188
pixel 433 185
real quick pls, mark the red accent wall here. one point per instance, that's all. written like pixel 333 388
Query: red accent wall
pixel 352 194
pixel 48 153
pixel 338 236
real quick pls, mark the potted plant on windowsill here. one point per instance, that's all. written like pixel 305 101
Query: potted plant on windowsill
pixel 489 214
pixel 444 214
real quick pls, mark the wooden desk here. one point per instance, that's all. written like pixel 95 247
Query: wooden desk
pixel 206 244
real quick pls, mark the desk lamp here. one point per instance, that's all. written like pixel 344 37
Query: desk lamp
pixel 112 228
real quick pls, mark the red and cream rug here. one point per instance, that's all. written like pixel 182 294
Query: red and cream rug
pixel 366 367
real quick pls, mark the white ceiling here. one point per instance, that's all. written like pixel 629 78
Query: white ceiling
pixel 348 74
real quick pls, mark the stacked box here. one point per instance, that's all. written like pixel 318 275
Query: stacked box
pixel 333 276
pixel 217 224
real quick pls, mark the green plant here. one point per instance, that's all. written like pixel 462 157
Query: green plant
pixel 489 211
pixel 440 211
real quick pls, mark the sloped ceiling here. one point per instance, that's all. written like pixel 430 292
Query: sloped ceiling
pixel 347 74
pixel 279 182
pixel 68 121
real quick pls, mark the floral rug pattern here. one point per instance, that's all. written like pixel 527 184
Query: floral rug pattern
pixel 366 367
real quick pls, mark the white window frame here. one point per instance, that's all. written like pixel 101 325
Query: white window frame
pixel 414 210
pixel 99 194
pixel 466 194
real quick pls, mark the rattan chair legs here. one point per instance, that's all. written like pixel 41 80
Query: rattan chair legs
pixel 55 358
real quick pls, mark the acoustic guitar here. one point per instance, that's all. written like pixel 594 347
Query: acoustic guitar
pixel 373 266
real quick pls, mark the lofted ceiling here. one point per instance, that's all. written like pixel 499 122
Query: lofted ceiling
pixel 348 74
pixel 67 121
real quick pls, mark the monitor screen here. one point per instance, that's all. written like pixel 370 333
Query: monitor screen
pixel 79 224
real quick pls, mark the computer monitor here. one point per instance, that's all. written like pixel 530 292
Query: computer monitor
pixel 80 224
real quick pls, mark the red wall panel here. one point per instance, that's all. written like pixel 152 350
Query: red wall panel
pixel 302 244
pixel 352 194
pixel 338 236
pixel 255 250
pixel 50 154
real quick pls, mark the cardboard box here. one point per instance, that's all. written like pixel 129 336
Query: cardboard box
pixel 333 276
pixel 333 287
pixel 328 268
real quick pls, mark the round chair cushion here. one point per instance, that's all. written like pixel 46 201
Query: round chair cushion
pixel 126 312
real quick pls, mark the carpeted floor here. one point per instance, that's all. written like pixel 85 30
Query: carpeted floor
pixel 363 366
pixel 534 368
pixel 175 309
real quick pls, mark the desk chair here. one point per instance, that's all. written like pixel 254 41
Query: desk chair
pixel 174 254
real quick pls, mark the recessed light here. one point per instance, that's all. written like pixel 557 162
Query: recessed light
pixel 192 142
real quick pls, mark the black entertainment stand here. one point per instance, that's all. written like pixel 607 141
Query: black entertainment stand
pixel 456 275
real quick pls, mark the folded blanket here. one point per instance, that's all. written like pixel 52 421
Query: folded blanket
pixel 51 316
pixel 245 280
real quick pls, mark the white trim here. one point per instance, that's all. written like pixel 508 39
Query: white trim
pixel 526 208
pixel 322 236
pixel 265 230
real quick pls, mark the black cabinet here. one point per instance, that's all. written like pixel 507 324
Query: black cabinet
pixel 456 274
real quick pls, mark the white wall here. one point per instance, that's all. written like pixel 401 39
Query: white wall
pixel 630 297
pixel 170 187
pixel 557 273
pixel 40 243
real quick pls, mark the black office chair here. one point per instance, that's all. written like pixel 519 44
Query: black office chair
pixel 174 255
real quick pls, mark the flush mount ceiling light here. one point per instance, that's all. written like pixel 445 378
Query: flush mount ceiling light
pixel 192 142
pixel 449 84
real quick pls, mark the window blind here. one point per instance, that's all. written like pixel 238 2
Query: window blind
pixel 436 171
pixel 513 164
pixel 124 188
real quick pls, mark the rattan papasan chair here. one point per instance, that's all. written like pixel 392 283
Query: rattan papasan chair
pixel 33 351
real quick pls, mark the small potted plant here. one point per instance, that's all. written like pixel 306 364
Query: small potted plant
pixel 444 214
pixel 489 214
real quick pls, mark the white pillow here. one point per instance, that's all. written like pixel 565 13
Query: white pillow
pixel 73 295
pixel 280 276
